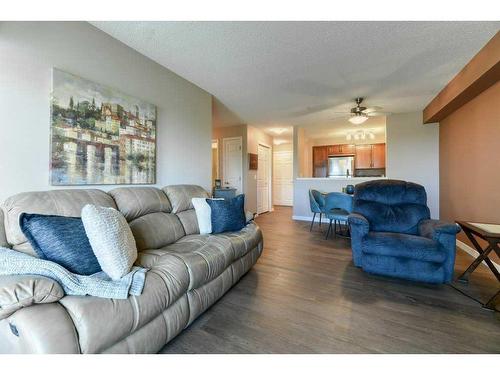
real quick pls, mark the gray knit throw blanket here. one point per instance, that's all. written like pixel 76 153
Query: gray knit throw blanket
pixel 99 285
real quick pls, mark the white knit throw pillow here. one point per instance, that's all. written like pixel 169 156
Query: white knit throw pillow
pixel 111 239
pixel 203 215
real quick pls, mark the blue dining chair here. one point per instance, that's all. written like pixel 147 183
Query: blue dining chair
pixel 337 208
pixel 317 202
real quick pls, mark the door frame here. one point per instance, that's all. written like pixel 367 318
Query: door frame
pixel 218 156
pixel 269 174
pixel 224 141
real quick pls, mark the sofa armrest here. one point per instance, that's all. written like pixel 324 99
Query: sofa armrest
pixel 359 222
pixel 249 216
pixel 18 291
pixel 359 227
pixel 434 228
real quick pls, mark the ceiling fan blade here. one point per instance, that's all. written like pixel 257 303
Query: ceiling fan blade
pixel 372 109
pixel 374 114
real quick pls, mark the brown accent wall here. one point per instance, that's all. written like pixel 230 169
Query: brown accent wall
pixel 469 154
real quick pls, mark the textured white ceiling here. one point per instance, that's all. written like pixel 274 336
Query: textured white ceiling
pixel 339 128
pixel 288 73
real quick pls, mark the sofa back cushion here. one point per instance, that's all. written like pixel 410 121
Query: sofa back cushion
pixel 391 205
pixel 148 211
pixel 3 239
pixel 180 196
pixel 134 202
pixel 66 202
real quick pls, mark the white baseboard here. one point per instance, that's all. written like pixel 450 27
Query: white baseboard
pixel 473 253
pixel 309 218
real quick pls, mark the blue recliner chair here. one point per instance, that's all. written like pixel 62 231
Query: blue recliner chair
pixel 392 233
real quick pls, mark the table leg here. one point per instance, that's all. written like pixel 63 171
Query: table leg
pixel 491 304
pixel 490 263
pixel 483 255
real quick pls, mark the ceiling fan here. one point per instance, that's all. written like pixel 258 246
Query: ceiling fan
pixel 359 114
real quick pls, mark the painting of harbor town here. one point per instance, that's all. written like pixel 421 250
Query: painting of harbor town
pixel 99 135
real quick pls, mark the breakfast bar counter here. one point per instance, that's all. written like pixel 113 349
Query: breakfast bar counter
pixel 301 186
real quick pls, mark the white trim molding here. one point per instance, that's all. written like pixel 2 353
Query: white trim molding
pixel 473 253
pixel 309 218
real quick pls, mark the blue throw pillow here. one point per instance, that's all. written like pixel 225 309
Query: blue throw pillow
pixel 61 240
pixel 228 215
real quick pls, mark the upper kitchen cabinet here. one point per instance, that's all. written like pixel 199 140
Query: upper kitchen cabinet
pixel 378 155
pixel 370 156
pixel 341 150
pixel 363 157
pixel 320 161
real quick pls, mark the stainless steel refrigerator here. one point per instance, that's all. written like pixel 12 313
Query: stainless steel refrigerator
pixel 340 166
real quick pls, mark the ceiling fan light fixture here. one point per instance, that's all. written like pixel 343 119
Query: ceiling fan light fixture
pixel 358 119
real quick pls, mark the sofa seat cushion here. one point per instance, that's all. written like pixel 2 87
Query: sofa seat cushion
pixel 205 256
pixel 404 268
pixel 244 240
pixel 403 246
pixel 102 322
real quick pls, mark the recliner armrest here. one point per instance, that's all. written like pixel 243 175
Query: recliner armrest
pixel 18 291
pixel 433 228
pixel 360 222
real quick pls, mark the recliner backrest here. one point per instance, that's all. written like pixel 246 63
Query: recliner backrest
pixel 180 197
pixel 64 202
pixel 391 205
pixel 149 214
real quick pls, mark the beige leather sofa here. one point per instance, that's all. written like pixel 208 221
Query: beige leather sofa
pixel 188 273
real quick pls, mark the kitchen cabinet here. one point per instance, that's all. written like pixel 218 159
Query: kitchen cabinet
pixel 378 155
pixel 341 149
pixel 363 157
pixel 370 156
pixel 320 161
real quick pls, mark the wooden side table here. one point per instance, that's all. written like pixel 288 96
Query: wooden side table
pixel 491 234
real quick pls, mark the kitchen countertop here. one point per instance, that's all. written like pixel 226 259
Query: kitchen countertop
pixel 298 179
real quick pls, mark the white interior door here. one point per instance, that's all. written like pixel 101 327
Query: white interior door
pixel 283 178
pixel 232 164
pixel 263 179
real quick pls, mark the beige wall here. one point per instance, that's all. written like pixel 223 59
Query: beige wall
pixel 29 51
pixel 470 160
pixel 413 154
pixel 303 156
pixel 251 137
pixel 283 147
pixel 379 138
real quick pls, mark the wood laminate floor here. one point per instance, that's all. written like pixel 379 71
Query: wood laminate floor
pixel 304 295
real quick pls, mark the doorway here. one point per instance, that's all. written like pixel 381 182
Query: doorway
pixel 283 178
pixel 264 179
pixel 232 163
pixel 215 160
